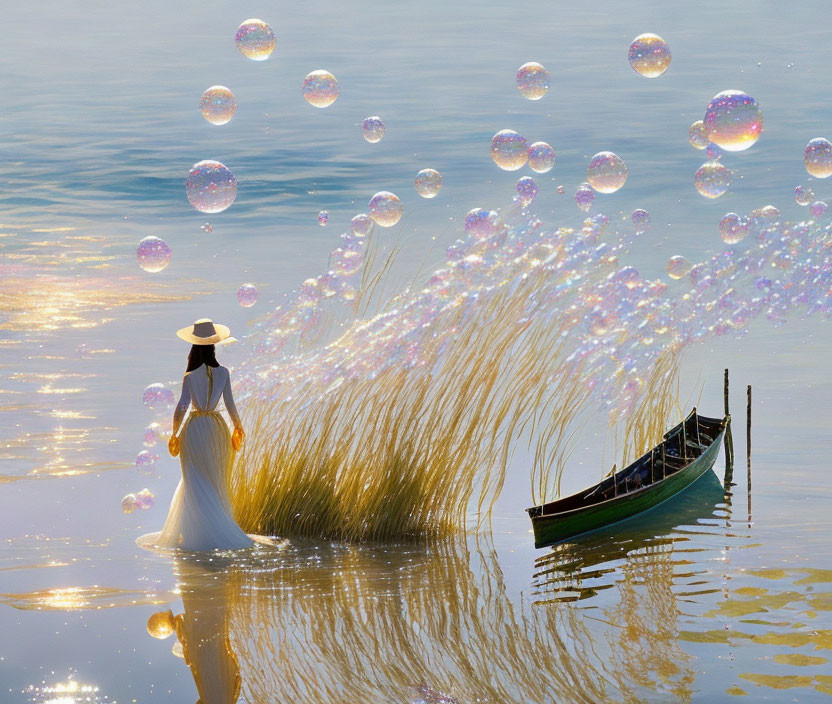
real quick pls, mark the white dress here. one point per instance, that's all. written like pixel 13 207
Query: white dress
pixel 200 516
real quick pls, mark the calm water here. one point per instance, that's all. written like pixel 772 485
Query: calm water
pixel 707 598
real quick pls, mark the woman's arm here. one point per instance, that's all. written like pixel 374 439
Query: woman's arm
pixel 182 406
pixel 228 399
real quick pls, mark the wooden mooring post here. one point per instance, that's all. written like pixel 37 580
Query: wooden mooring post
pixel 729 440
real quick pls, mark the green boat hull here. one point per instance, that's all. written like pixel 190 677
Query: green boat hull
pixel 554 528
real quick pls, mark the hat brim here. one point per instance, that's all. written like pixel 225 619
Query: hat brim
pixel 222 333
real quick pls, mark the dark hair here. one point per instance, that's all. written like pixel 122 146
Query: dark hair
pixel 201 354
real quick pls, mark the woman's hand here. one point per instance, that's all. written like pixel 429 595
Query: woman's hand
pixel 237 438
pixel 173 445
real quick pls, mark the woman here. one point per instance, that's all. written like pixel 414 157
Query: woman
pixel 200 516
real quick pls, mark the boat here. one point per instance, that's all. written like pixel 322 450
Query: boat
pixel 687 452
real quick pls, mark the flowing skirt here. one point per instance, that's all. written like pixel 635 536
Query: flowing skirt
pixel 200 516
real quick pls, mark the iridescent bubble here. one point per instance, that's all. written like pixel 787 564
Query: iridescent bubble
pixel 677 267
pixel 323 217
pixel 145 499
pixel 158 398
pixel 541 157
pixel 804 195
pixel 362 225
pixel 818 157
pixel 481 224
pixel 153 433
pixel 385 208
pixel 428 182
pixel 649 55
pixel 373 129
pixel 560 190
pixel 606 172
pixel 153 254
pixel 247 295
pixel 526 189
pixel 177 650
pixel 713 152
pixel 211 187
pixel 712 179
pixel 146 461
pixel 697 136
pixel 128 504
pixel 255 40
pixel 207 227
pixel 320 88
pixel 732 228
pixel 641 221
pixel 509 150
pixel 584 197
pixel 532 80
pixel 345 262
pixel 733 120
pixel 818 208
pixel 218 105
pixel 160 625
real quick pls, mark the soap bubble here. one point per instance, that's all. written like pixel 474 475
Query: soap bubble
pixel 584 197
pixel 732 228
pixel 362 225
pixel 697 136
pixel 456 251
pixel 128 504
pixel 677 267
pixel 160 625
pixel 320 88
pixel 211 187
pixel 323 217
pixel 509 150
pixel 818 208
pixel 733 120
pixel 385 208
pixel 428 182
pixel 146 461
pixel 526 189
pixel 207 227
pixel 532 80
pixel 218 105
pixel 345 262
pixel 818 157
pixel 153 433
pixel 649 55
pixel 247 295
pixel 606 172
pixel 804 195
pixel 373 129
pixel 541 157
pixel 481 224
pixel 145 499
pixel 712 179
pixel 177 650
pixel 158 398
pixel 560 190
pixel 713 152
pixel 153 254
pixel 641 221
pixel 255 40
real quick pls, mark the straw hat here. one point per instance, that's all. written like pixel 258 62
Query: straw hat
pixel 206 332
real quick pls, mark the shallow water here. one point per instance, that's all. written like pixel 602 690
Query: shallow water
pixel 706 598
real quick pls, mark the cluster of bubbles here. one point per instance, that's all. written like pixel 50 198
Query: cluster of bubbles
pixel 255 40
pixel 323 218
pixel 320 88
pixel 532 80
pixel 247 295
pixel 153 254
pixel 218 105
pixel 211 187
pixel 385 208
pixel 141 500
pixel 649 55
pixel 373 129
pixel 428 183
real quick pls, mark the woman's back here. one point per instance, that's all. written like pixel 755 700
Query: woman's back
pixel 204 379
